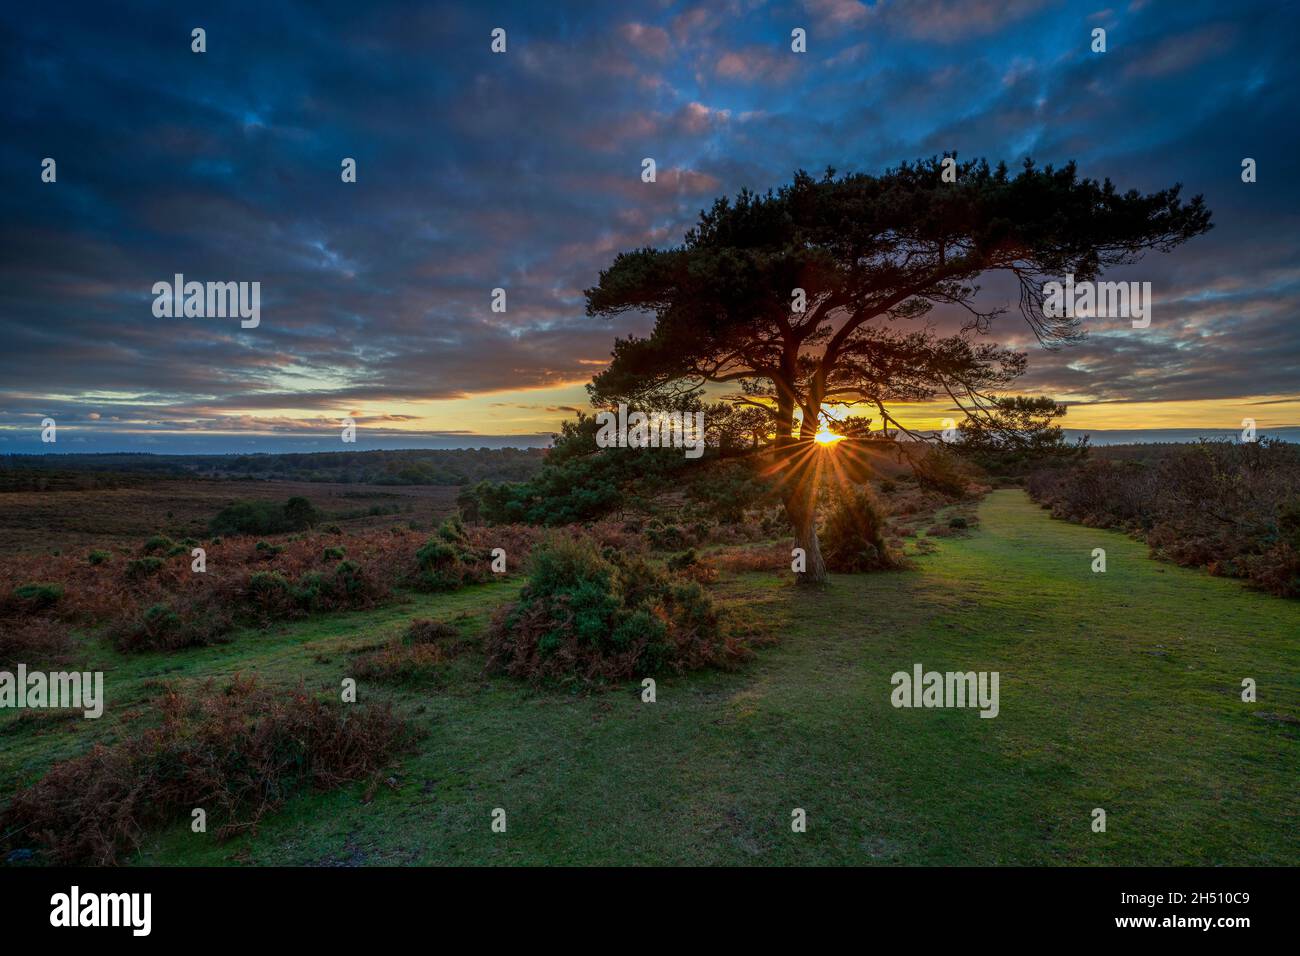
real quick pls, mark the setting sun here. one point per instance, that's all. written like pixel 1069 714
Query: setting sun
pixel 825 437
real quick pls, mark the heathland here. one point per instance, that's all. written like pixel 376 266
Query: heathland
pixel 1120 690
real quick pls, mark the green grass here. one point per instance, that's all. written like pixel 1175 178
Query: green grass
pixel 1118 690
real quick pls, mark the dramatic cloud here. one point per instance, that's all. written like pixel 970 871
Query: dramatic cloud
pixel 522 171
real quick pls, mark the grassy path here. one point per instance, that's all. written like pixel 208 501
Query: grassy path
pixel 1118 690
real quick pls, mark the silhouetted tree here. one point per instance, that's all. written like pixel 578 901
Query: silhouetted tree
pixel 863 249
pixel 1016 432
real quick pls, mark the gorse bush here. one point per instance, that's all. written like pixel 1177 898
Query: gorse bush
pixel 159 627
pixel 728 490
pixel 266 550
pixel 448 560
pixel 665 537
pixel 237 751
pixel 590 617
pixel 350 584
pixel 270 595
pixel 579 481
pixel 688 564
pixel 143 567
pixel 37 597
pixel 160 619
pixel 938 469
pixel 158 544
pixel 853 538
pixel 577 487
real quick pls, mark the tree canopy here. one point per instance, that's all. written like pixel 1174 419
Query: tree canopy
pixel 793 296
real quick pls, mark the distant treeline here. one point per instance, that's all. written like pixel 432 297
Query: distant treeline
pixel 458 466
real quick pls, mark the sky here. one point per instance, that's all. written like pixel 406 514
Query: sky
pixel 522 170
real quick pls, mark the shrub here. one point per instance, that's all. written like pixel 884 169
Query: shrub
pixel 453 531
pixel 665 537
pixel 447 561
pixel 689 565
pixel 99 557
pixel 158 544
pixel 335 554
pixel 311 593
pixel 437 563
pixel 350 583
pixel 728 489
pixel 853 538
pixel 37 597
pixel 939 469
pixel 591 617
pixel 269 594
pixel 160 625
pixel 577 483
pixel 143 567
pixel 265 550
pixel 238 751
pixel 1276 570
pixel 160 628
pixel 679 562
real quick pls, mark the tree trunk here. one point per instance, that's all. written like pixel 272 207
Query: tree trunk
pixel 801 509
pixel 799 494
